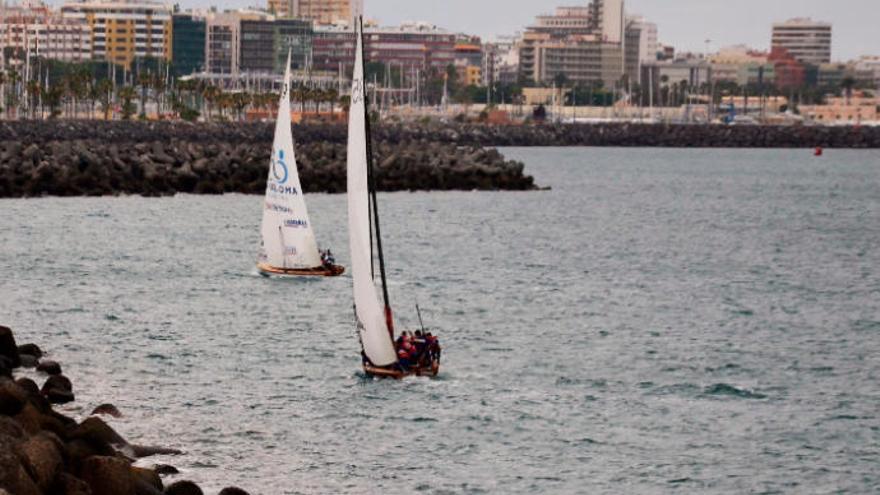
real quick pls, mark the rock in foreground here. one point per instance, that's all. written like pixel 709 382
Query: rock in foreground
pixel 43 452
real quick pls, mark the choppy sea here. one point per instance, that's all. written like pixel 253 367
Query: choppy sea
pixel 688 321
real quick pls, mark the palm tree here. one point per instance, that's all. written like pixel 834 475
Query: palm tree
pixel 144 81
pixel 103 92
pixel 211 94
pixel 848 83
pixel 664 89
pixel 12 96
pixel 33 90
pixel 332 96
pixel 126 94
pixel 239 102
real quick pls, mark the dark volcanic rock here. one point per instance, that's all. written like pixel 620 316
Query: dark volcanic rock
pixel 140 451
pixel 161 158
pixel 165 469
pixel 31 350
pixel 28 361
pixel 108 410
pixel 58 389
pixel 42 457
pixel 67 484
pixel 108 475
pixel 233 490
pixel 12 397
pixel 8 349
pixel 183 488
pixel 49 367
pixel 147 481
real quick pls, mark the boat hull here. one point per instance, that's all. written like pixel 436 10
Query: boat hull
pixel 392 372
pixel 331 271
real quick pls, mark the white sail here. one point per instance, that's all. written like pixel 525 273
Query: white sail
pixel 371 321
pixel 287 237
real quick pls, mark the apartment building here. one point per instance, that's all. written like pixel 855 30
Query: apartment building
pixel 584 44
pixel 413 46
pixel 123 30
pixel 34 29
pixel 806 40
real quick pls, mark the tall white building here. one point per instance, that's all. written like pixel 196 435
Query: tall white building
pixel 608 17
pixel 649 44
pixel 806 40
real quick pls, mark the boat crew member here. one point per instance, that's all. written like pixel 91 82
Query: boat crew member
pixel 433 344
pixel 420 344
pixel 405 354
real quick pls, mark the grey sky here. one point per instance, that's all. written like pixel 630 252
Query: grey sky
pixel 684 23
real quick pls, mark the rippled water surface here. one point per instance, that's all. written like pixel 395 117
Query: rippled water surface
pixel 662 320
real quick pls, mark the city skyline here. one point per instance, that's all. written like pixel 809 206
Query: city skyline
pixel 684 24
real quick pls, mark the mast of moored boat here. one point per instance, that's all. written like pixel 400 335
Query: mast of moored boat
pixel 389 318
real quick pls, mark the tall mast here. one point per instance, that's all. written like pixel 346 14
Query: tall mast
pixel 389 321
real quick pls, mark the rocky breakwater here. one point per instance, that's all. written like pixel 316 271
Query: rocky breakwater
pixel 75 158
pixel 639 135
pixel 43 451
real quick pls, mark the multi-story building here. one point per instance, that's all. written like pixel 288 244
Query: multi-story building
pixel 583 44
pixel 123 30
pixel 188 43
pixel 411 46
pixel 806 40
pixel 789 73
pixel 223 40
pixel 34 29
pixel 265 43
pixel 741 65
pixel 869 67
pixel 320 11
pixel 831 75
pixel 683 74
pixel 501 61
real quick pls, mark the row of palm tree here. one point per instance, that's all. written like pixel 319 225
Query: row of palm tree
pixel 78 93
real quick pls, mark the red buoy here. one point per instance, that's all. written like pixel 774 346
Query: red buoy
pixel 818 151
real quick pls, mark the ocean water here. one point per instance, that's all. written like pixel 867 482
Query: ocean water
pixel 689 321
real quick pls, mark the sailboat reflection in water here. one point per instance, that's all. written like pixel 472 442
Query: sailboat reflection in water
pixel 413 353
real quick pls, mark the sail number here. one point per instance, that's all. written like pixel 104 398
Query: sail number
pixel 357 91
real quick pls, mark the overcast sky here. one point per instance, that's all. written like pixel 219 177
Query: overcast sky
pixel 686 24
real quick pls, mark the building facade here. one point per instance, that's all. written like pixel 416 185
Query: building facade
pixel 265 43
pixel 223 40
pixel 322 11
pixel 188 34
pixel 578 44
pixel 806 40
pixel 501 61
pixel 35 30
pixel 123 30
pixel 411 46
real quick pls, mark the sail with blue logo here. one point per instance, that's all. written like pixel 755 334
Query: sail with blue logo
pixel 288 241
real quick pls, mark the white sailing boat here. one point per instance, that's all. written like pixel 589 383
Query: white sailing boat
pixel 375 324
pixel 288 246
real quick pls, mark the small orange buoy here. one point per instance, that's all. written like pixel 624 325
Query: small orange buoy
pixel 818 151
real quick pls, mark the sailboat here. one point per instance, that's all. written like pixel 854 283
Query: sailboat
pixel 288 246
pixel 375 324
